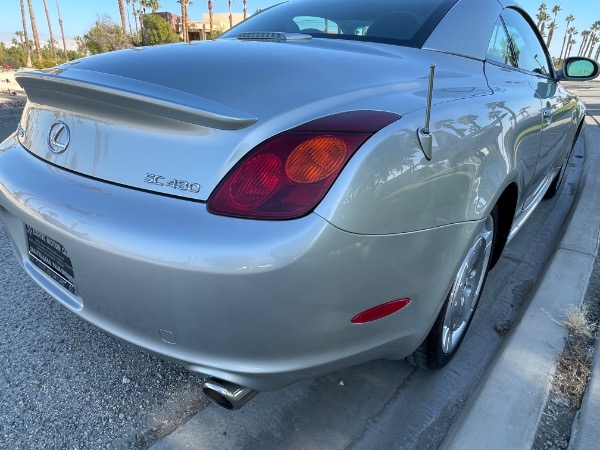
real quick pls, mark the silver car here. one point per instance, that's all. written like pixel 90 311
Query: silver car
pixel 326 184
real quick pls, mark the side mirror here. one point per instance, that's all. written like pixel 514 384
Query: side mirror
pixel 578 69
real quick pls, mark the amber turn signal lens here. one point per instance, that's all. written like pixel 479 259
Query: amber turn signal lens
pixel 316 159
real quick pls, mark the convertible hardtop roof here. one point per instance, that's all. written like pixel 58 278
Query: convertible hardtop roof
pixel 453 35
pixel 439 25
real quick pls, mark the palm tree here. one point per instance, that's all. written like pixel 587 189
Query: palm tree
pixel 552 26
pixel 594 37
pixel 571 43
pixel 36 38
pixel 20 36
pixel 570 18
pixel 573 31
pixel 122 13
pixel 27 49
pixel 52 50
pixel 590 40
pixel 154 5
pixel 128 2
pixel 210 16
pixel 448 124
pixel 230 16
pixel 135 17
pixel 541 10
pixel 245 9
pixel 542 17
pixel 585 34
pixel 62 32
pixel 184 19
pixel 470 120
pixel 523 111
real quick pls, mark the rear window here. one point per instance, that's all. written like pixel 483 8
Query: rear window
pixel 401 22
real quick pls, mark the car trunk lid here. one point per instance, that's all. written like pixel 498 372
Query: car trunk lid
pixel 175 119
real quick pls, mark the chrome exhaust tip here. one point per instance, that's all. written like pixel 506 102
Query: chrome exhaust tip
pixel 228 395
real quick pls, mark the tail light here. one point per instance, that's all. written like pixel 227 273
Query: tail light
pixel 288 175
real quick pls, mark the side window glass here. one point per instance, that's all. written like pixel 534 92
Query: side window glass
pixel 530 53
pixel 499 49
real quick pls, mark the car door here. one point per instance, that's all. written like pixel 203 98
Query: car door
pixel 515 106
pixel 557 107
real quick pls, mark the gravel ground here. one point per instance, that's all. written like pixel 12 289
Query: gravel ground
pixel 95 391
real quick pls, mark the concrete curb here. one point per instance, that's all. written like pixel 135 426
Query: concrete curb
pixel 506 407
pixel 585 432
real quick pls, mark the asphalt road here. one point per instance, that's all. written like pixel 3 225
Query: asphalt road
pixel 65 384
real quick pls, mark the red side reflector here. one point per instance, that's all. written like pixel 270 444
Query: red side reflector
pixel 380 311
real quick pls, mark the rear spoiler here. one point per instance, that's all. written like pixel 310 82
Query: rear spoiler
pixel 42 86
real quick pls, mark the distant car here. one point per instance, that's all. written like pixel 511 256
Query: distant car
pixel 326 184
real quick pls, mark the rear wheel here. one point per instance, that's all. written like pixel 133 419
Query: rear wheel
pixel 450 327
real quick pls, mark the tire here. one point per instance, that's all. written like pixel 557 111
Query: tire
pixel 452 323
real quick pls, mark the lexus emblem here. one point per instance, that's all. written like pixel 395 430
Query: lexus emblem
pixel 59 137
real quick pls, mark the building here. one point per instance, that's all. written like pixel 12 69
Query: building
pixel 199 30
pixel 172 19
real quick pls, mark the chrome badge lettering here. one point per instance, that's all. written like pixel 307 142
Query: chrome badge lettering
pixel 179 185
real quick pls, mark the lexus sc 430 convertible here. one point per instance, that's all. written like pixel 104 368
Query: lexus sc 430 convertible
pixel 327 183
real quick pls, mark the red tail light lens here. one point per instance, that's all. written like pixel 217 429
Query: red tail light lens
pixel 381 311
pixel 288 175
pixel 256 180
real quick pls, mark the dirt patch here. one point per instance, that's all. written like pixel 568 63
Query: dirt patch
pixel 573 371
pixel 572 374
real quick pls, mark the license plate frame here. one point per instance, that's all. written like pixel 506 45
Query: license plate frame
pixel 51 257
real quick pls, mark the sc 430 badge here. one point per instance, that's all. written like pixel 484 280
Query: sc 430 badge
pixel 179 185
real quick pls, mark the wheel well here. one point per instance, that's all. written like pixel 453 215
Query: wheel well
pixel 507 204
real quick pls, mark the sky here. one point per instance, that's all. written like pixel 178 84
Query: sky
pixel 586 12
pixel 78 16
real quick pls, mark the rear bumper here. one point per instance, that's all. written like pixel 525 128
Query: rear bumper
pixel 258 303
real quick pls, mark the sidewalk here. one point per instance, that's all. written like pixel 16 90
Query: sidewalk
pixel 505 410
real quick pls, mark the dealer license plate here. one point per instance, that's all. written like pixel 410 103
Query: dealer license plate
pixel 51 258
